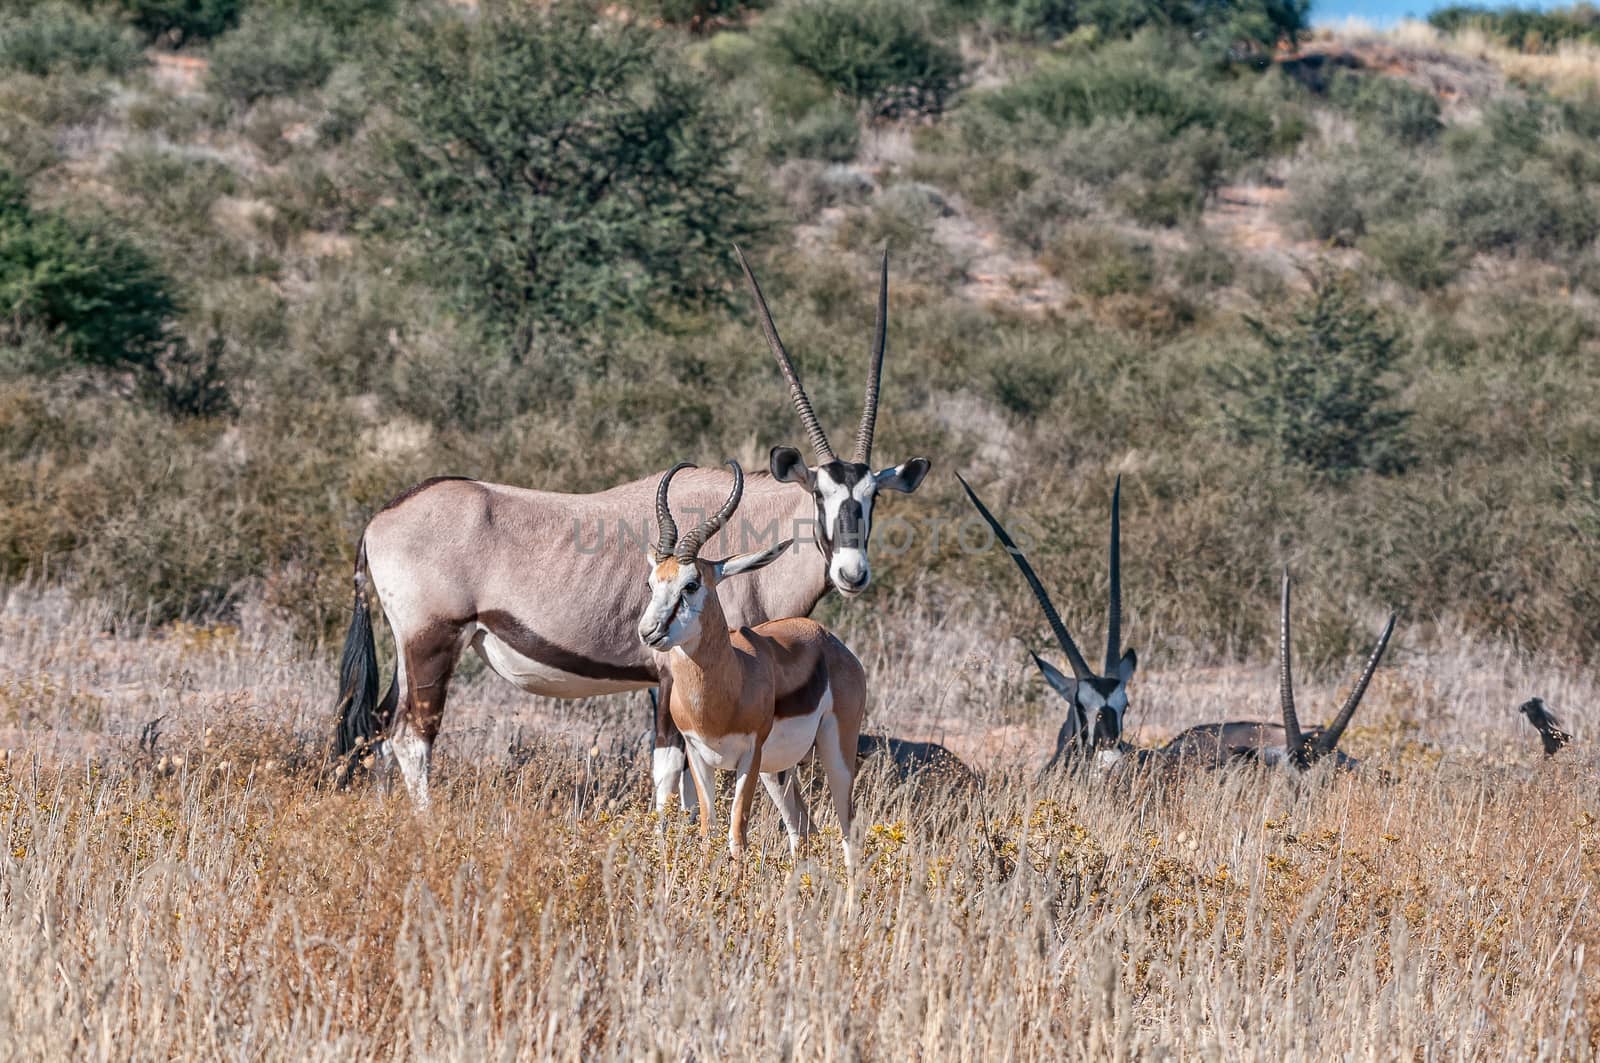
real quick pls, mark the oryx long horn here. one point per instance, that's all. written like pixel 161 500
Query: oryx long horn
pixel 1294 741
pixel 689 546
pixel 802 404
pixel 1114 609
pixel 1330 738
pixel 667 541
pixel 880 335
pixel 1080 667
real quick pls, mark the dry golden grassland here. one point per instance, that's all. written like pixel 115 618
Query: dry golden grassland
pixel 208 899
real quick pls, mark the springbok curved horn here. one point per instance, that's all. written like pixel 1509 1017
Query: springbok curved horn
pixel 689 546
pixel 1330 737
pixel 802 404
pixel 1080 667
pixel 880 334
pixel 668 539
pixel 1294 740
pixel 1114 608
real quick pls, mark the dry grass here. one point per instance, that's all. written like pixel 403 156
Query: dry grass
pixel 206 899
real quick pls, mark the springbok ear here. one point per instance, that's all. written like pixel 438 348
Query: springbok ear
pixel 905 477
pixel 789 467
pixel 1064 685
pixel 1125 669
pixel 732 566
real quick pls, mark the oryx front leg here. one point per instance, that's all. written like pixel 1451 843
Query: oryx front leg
pixel 841 781
pixel 667 772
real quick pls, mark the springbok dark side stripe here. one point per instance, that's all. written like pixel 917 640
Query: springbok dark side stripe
pixel 804 698
pixel 535 647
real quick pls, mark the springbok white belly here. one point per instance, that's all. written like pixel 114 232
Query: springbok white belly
pixel 788 743
pixel 538 678
pixel 792 739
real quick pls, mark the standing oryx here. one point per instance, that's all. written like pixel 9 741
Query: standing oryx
pixel 755 700
pixel 545 586
pixel 1216 744
pixel 1096 703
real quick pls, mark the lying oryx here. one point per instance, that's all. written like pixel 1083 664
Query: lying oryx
pixel 1216 744
pixel 545 586
pixel 755 700
pixel 1096 704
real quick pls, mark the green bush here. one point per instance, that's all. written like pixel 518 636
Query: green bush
pixel 880 54
pixel 1338 198
pixel 827 132
pixel 555 168
pixel 697 16
pixel 1320 396
pixel 1400 110
pixel 183 20
pixel 1237 28
pixel 341 16
pixel 1422 253
pixel 1038 20
pixel 1524 28
pixel 1532 209
pixel 272 54
pixel 55 37
pixel 100 296
pixel 1136 83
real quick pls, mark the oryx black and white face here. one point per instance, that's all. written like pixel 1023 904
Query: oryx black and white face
pixel 1096 704
pixel 844 493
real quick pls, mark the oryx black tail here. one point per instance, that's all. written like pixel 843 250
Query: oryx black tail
pixel 360 717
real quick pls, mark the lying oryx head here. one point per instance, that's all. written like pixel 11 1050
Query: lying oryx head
pixel 844 490
pixel 683 586
pixel 1304 748
pixel 1097 703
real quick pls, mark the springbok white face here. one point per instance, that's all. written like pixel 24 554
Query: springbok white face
pixel 844 491
pixel 683 587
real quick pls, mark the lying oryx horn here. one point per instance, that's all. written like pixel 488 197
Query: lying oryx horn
pixel 1331 736
pixel 1302 752
pixel 1080 667
pixel 880 334
pixel 1294 742
pixel 668 538
pixel 802 404
pixel 1114 607
pixel 689 546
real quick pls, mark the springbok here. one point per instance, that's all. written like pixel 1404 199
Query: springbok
pixel 544 586
pixel 1549 728
pixel 1217 744
pixel 755 700
pixel 1096 704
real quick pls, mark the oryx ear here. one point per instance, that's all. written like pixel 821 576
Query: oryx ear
pixel 732 566
pixel 1125 669
pixel 789 467
pixel 1064 685
pixel 905 477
